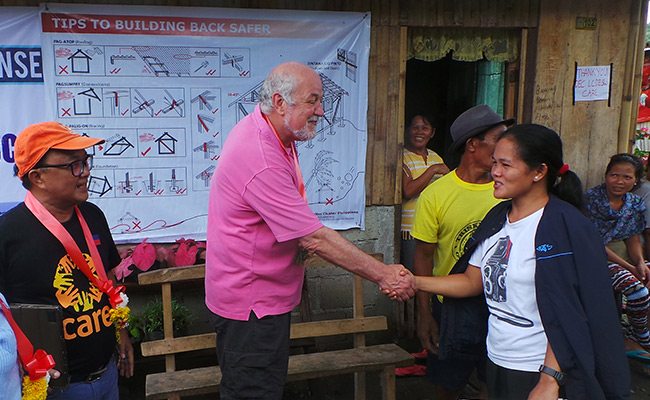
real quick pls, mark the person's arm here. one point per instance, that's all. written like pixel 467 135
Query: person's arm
pixel 467 284
pixel 646 240
pixel 125 363
pixel 413 187
pixel 427 328
pixel 641 272
pixel 334 248
pixel 635 252
pixel 547 388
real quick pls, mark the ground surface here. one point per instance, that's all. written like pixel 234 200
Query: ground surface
pixel 341 387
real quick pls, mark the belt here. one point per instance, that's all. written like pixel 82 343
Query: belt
pixel 93 376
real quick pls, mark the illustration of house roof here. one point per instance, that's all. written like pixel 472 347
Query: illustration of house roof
pixel 80 54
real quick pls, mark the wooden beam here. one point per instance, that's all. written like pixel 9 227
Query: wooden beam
pixel 299 330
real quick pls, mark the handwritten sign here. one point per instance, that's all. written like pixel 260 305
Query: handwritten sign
pixel 592 83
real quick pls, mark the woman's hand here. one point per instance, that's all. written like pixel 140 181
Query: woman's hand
pixel 439 169
pixel 643 273
pixel 546 389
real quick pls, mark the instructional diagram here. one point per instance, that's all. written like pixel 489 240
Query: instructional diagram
pixel 164 93
pixel 146 61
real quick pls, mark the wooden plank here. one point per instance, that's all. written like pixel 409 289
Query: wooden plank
pixel 179 344
pixel 176 274
pixel 401 101
pixel 299 330
pixel 338 327
pixel 303 366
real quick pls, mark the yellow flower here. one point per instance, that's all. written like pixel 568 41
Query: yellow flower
pixel 34 390
pixel 120 317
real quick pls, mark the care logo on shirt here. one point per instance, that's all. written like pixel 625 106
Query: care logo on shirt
pixel 462 237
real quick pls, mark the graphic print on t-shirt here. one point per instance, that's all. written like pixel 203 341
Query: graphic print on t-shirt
pixel 67 293
pixel 462 237
pixel 495 271
pixel 494 282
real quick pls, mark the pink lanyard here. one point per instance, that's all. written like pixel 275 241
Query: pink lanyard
pixel 37 364
pixel 301 182
pixel 55 227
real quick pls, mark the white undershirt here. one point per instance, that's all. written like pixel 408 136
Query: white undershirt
pixel 516 338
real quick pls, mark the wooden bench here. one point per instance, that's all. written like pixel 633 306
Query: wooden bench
pixel 358 360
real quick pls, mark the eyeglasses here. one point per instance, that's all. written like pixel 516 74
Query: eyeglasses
pixel 76 167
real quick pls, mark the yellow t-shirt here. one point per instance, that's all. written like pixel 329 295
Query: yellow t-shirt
pixel 447 213
pixel 416 165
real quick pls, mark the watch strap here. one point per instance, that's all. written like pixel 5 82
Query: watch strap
pixel 560 377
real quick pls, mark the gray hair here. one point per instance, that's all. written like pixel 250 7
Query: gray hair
pixel 281 82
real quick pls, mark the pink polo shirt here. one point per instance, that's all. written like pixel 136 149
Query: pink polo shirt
pixel 255 218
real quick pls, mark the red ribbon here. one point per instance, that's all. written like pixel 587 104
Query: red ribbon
pixel 563 169
pixel 37 364
pixel 55 227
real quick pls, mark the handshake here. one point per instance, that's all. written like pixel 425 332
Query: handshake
pixel 397 282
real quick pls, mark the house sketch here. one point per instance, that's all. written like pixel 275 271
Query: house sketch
pixel 80 62
pixel 332 106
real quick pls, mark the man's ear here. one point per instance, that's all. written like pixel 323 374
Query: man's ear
pixel 470 144
pixel 279 103
pixel 35 177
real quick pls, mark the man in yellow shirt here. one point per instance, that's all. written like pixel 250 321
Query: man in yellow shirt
pixel 447 213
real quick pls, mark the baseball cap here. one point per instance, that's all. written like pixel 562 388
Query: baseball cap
pixel 473 122
pixel 35 140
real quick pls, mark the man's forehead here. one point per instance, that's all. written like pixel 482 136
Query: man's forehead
pixel 64 154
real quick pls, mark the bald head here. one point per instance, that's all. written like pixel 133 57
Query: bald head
pixel 284 79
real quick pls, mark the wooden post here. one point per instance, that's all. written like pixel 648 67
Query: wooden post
pixel 388 383
pixel 359 338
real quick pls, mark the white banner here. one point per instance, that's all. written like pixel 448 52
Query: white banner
pixel 165 85
pixel 21 84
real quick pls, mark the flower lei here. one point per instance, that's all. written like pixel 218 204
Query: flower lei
pixel 35 389
pixel 119 315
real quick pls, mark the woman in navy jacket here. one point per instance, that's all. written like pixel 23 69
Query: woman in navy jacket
pixel 540 267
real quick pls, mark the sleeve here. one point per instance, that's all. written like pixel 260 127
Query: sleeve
pixel 273 195
pixel 476 259
pixel 426 222
pixel 638 223
pixel 595 293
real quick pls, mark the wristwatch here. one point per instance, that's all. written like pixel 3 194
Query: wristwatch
pixel 560 377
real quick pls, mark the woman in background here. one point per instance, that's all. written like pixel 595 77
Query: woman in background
pixel 420 167
pixel 619 217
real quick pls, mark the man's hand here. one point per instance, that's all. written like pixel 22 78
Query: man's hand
pixel 125 360
pixel 397 282
pixel 427 330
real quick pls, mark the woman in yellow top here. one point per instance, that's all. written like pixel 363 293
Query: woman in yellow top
pixel 420 167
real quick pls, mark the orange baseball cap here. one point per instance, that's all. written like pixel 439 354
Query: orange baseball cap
pixel 35 140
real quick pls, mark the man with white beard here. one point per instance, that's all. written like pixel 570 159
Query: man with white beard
pixel 260 230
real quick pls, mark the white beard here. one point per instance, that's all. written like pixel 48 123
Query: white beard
pixel 303 134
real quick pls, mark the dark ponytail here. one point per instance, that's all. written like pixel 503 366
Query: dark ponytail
pixel 537 145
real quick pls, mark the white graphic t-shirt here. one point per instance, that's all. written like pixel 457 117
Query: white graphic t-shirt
pixel 516 338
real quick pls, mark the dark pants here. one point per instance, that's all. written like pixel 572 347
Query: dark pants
pixel 253 356
pixel 510 384
pixel 451 374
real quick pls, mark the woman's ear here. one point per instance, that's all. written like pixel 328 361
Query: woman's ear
pixel 540 172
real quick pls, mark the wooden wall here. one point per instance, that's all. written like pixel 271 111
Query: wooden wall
pixel 551 46
pixel 591 131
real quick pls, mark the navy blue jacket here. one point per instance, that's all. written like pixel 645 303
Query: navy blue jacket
pixel 574 297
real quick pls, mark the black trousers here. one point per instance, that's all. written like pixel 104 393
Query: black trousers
pixel 253 356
